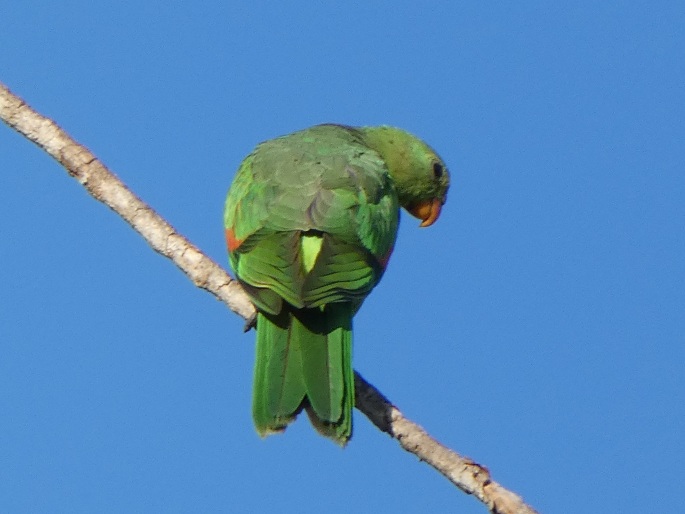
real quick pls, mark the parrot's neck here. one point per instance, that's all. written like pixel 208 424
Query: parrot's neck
pixel 401 152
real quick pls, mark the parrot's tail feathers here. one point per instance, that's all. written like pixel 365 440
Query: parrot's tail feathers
pixel 278 390
pixel 327 368
pixel 304 360
pixel 341 433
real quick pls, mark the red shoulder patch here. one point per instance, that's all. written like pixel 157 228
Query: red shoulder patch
pixel 232 242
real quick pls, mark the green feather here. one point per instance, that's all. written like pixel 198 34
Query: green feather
pixel 304 360
pixel 278 386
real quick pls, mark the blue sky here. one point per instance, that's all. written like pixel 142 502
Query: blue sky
pixel 537 327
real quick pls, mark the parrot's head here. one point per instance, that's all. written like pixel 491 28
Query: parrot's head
pixel 419 174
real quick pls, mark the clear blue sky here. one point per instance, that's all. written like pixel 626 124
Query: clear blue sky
pixel 538 327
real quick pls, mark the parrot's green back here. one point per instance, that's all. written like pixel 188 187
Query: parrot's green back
pixel 311 220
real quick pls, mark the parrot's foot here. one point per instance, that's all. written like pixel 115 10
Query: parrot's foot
pixel 250 323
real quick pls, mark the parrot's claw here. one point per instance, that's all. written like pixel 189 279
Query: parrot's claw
pixel 250 323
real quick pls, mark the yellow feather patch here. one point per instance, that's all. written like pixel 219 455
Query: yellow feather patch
pixel 310 246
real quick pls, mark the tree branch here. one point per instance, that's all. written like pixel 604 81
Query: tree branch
pixel 103 185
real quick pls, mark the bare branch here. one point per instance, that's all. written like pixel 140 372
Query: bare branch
pixel 467 475
pixel 103 185
pixel 106 187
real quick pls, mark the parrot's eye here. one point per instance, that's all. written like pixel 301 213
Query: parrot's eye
pixel 437 170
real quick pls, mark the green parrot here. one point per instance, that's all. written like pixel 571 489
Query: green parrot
pixel 310 221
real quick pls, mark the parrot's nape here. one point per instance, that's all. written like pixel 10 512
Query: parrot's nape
pixel 311 220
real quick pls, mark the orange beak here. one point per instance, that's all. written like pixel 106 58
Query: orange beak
pixel 427 211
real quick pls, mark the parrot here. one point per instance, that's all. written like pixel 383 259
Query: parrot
pixel 310 222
